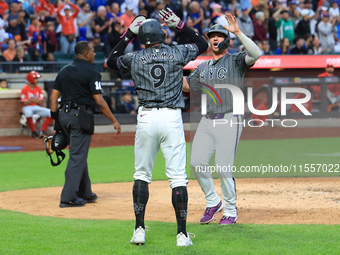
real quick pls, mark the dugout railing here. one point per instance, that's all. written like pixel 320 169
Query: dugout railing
pixel 12 67
pixel 262 92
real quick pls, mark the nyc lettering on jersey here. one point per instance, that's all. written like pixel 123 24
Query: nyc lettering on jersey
pixel 157 55
pixel 220 74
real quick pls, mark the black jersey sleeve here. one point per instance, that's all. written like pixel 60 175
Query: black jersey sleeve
pixel 195 38
pixel 118 50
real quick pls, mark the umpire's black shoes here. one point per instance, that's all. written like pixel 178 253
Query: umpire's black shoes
pixel 78 202
pixel 91 199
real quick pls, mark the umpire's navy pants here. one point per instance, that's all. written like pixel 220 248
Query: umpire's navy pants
pixel 77 180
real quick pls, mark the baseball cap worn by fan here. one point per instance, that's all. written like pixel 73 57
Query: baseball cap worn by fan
pixel 126 92
pixel 304 12
pixel 96 36
pixel 67 7
pixel 324 15
pixel 330 65
pixel 215 6
pixel 129 7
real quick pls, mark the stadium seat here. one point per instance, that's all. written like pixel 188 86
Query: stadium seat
pixel 62 56
pixel 100 56
pixel 28 57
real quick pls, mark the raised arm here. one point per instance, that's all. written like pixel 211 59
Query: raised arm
pixel 254 52
pixel 76 8
pixel 130 34
pixel 171 19
pixel 276 15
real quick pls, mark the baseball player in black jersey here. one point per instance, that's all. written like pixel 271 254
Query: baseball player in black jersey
pixel 77 84
pixel 157 72
pixel 221 139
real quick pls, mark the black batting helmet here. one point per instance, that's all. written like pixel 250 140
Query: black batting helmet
pixel 151 32
pixel 59 142
pixel 56 143
pixel 220 29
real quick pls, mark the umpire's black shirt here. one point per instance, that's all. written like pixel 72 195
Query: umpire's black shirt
pixel 78 82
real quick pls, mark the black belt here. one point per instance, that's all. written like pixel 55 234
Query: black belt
pixel 72 105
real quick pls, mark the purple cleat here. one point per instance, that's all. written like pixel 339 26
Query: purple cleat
pixel 210 212
pixel 227 220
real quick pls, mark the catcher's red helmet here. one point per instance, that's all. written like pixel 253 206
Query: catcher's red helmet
pixel 32 75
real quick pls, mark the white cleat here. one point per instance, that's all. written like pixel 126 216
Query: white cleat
pixel 138 236
pixel 183 240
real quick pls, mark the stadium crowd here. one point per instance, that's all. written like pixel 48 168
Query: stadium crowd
pixel 30 30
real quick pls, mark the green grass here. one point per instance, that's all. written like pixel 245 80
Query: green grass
pixel 287 152
pixel 106 165
pixel 116 164
pixel 25 234
pixel 294 156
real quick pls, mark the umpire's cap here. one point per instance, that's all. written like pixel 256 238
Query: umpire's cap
pixel 151 32
pixel 218 29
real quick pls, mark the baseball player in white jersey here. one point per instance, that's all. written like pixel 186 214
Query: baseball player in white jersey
pixel 221 139
pixel 157 72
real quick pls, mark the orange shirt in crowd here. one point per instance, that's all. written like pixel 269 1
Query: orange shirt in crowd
pixel 9 54
pixel 67 25
pixel 3 8
pixel 44 6
pixel 125 20
pixel 28 93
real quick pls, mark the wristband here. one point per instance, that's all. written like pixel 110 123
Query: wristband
pixel 180 25
pixel 54 115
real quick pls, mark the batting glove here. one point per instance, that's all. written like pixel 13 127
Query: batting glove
pixel 171 19
pixel 135 24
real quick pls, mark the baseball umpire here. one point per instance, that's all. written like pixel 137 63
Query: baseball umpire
pixel 157 72
pixel 77 83
pixel 222 140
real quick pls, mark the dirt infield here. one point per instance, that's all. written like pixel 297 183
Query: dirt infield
pixel 259 201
